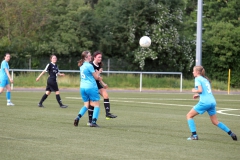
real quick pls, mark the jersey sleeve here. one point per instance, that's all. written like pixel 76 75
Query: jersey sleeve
pixel 47 68
pixel 197 82
pixel 4 65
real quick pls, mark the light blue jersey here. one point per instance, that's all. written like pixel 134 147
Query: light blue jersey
pixel 206 97
pixel 3 74
pixel 87 79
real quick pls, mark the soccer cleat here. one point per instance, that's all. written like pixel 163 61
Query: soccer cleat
pixel 40 105
pixel 193 137
pixel 10 104
pixel 63 106
pixel 76 121
pixel 110 115
pixel 234 137
pixel 94 125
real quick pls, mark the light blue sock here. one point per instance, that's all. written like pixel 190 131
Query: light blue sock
pixel 191 125
pixel 96 112
pixel 8 96
pixel 82 111
pixel 223 127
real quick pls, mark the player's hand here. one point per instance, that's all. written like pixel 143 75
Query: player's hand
pixel 37 79
pixel 195 96
pixel 194 90
pixel 100 70
pixel 105 86
pixel 11 80
pixel 62 74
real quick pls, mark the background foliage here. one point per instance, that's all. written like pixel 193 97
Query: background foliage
pixel 33 30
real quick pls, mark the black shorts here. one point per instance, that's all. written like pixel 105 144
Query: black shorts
pixel 99 85
pixel 52 85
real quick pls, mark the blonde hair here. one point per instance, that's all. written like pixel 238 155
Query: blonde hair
pixel 83 56
pixel 201 71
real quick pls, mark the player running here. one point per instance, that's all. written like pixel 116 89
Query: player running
pixel 207 103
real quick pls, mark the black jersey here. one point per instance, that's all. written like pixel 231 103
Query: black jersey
pixel 97 67
pixel 52 70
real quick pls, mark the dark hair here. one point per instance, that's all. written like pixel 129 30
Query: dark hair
pixel 95 55
pixel 5 55
pixel 201 71
pixel 83 56
pixel 52 56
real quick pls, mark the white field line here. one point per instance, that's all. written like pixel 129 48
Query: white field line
pixel 221 111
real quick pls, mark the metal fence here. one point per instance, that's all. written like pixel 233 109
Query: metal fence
pixel 108 72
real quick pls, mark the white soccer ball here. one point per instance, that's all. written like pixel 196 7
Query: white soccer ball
pixel 145 41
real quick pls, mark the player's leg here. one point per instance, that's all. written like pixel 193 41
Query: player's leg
pixel 44 97
pixel 104 94
pixel 84 109
pixel 213 117
pixel 94 101
pixel 8 95
pixel 90 114
pixel 191 124
pixel 59 100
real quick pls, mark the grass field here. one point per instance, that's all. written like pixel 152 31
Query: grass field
pixel 149 126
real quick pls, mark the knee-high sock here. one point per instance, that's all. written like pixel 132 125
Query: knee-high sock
pixel 43 98
pixel 95 114
pixel 90 113
pixel 107 105
pixel 223 127
pixel 59 99
pixel 191 125
pixel 82 111
pixel 8 96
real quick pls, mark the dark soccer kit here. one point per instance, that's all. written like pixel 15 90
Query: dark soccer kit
pixel 52 70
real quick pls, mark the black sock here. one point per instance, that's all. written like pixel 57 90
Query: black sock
pixel 229 133
pixel 43 98
pixel 59 99
pixel 107 105
pixel 194 133
pixel 90 112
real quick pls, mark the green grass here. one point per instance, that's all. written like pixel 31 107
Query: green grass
pixel 149 126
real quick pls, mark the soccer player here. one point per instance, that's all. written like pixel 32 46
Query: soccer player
pixel 97 65
pixel 88 88
pixel 52 85
pixel 4 76
pixel 206 103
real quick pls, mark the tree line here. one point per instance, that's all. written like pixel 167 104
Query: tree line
pixel 32 30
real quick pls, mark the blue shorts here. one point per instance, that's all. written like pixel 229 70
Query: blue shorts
pixel 203 107
pixel 3 83
pixel 89 94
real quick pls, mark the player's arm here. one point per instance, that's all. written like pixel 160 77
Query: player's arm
pixel 105 86
pixel 197 91
pixel 61 74
pixel 96 75
pixel 8 74
pixel 43 72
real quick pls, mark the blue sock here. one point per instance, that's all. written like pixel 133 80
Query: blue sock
pixel 96 112
pixel 191 125
pixel 82 111
pixel 8 96
pixel 223 127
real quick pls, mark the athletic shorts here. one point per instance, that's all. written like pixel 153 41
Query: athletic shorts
pixel 89 94
pixel 202 107
pixel 4 83
pixel 99 85
pixel 52 86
